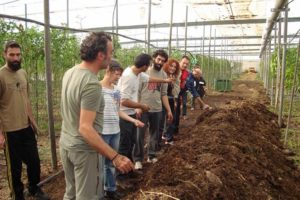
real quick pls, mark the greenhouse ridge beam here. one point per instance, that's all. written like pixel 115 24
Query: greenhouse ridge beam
pixel 205 38
pixel 229 45
pixel 202 23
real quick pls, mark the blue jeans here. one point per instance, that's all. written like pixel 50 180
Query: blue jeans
pixel 182 94
pixel 184 101
pixel 170 127
pixel 109 171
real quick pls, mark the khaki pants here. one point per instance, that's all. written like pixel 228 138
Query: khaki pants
pixel 82 175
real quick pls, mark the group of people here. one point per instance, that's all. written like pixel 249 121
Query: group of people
pixel 104 123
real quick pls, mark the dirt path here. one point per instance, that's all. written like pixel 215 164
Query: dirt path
pixel 230 152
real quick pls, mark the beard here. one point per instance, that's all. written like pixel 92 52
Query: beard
pixel 157 66
pixel 15 65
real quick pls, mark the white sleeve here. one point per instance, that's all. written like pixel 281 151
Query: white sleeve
pixel 144 78
pixel 124 87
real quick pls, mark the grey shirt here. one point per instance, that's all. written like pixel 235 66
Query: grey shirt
pixel 80 90
pixel 151 93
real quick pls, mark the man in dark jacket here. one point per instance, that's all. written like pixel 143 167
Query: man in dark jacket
pixel 200 87
pixel 194 84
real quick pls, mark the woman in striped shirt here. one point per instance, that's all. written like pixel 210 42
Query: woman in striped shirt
pixel 111 128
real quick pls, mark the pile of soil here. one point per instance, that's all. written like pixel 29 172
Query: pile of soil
pixel 233 152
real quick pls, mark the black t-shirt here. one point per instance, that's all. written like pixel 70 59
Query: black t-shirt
pixel 199 84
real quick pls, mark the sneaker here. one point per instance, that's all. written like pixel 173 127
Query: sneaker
pixel 163 137
pixel 169 143
pixel 192 108
pixel 185 117
pixel 152 160
pixel 138 165
pixel 39 195
pixel 112 195
pixel 124 184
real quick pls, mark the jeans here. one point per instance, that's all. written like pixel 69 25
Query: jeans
pixel 109 171
pixel 153 118
pixel 170 127
pixel 182 96
pixel 194 99
pixel 162 126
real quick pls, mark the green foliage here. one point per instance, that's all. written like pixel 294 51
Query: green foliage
pixel 291 56
pixel 64 54
pixel 126 56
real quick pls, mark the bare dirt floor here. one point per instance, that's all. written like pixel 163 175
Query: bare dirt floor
pixel 232 151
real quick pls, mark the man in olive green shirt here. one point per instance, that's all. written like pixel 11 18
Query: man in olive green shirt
pixel 82 113
pixel 17 126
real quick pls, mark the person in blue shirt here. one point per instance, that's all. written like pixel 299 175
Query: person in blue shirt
pixel 194 84
pixel 200 87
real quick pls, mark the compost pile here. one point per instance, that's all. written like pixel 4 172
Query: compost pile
pixel 233 152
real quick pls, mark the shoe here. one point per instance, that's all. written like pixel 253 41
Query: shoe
pixel 192 108
pixel 39 195
pixel 152 160
pixel 112 195
pixel 163 138
pixel 124 184
pixel 169 143
pixel 138 165
pixel 185 117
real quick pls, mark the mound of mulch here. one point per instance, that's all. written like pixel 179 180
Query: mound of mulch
pixel 233 152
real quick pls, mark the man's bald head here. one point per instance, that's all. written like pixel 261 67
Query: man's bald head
pixel 197 73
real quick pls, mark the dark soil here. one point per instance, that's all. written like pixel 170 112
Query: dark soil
pixel 230 152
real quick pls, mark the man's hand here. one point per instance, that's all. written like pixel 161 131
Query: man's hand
pixel 169 117
pixel 169 80
pixel 2 141
pixel 123 164
pixel 138 123
pixel 145 107
pixel 206 107
pixel 138 113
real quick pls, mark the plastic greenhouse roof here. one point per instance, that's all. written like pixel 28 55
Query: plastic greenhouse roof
pixel 99 13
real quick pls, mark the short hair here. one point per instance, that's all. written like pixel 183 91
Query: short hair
pixel 114 65
pixel 169 63
pixel 198 71
pixel 160 52
pixel 93 44
pixel 11 44
pixel 142 60
pixel 186 57
pixel 196 66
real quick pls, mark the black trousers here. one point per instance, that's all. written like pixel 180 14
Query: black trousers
pixel 127 137
pixel 21 146
pixel 127 142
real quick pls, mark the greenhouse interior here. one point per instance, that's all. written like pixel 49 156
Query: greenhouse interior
pixel 245 146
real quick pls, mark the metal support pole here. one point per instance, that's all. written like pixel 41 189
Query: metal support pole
pixel 26 15
pixel 214 60
pixel 278 73
pixel 273 77
pixel 117 17
pixel 149 28
pixel 171 26
pixel 68 9
pixel 49 84
pixel 283 66
pixel 268 67
pixel 203 38
pixel 208 66
pixel 186 27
